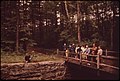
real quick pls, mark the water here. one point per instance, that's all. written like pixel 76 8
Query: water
pixel 77 72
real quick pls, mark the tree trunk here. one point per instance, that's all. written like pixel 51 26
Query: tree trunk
pixel 112 26
pixel 17 31
pixel 66 9
pixel 17 41
pixel 78 22
pixel 112 37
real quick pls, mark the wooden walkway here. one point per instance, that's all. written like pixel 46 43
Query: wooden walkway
pixel 105 63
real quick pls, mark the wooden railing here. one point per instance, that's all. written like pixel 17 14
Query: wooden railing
pixel 98 63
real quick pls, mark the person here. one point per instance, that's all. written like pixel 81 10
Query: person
pixel 82 52
pixel 73 48
pixel 79 51
pixel 83 48
pixel 100 52
pixel 27 58
pixel 76 51
pixel 70 47
pixel 64 47
pixel 94 52
pixel 87 51
pixel 94 49
pixel 67 53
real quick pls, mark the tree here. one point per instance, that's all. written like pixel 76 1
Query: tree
pixel 17 29
pixel 78 22
pixel 51 23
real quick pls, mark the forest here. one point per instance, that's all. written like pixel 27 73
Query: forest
pixel 50 24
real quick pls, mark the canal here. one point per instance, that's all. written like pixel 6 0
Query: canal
pixel 77 72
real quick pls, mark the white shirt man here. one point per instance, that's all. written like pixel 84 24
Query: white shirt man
pixel 100 51
pixel 83 49
pixel 87 50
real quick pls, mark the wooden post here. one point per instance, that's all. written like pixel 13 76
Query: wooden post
pixel 80 57
pixel 57 51
pixel 98 61
pixel 106 52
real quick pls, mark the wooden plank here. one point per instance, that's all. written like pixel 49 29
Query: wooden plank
pixel 92 55
pixel 89 61
pixel 98 61
pixel 109 66
pixel 73 60
pixel 110 57
pixel 112 52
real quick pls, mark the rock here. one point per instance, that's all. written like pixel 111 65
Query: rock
pixel 49 70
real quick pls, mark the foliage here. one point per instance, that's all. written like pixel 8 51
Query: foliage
pixel 51 23
pixel 19 58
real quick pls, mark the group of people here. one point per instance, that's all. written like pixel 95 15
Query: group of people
pixel 84 50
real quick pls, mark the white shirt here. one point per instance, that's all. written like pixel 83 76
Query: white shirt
pixel 76 49
pixel 83 49
pixel 100 51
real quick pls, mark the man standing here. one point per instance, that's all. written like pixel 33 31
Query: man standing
pixel 64 47
pixel 100 52
pixel 87 51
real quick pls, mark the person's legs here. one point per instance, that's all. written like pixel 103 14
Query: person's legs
pixel 88 58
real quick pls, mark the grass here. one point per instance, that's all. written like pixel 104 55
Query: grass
pixel 19 58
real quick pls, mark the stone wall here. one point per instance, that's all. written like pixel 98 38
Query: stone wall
pixel 33 71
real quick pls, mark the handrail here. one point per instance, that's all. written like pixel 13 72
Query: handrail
pixel 111 51
pixel 98 59
pixel 104 56
pixel 106 51
pixel 109 66
pixel 73 53
pixel 110 57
